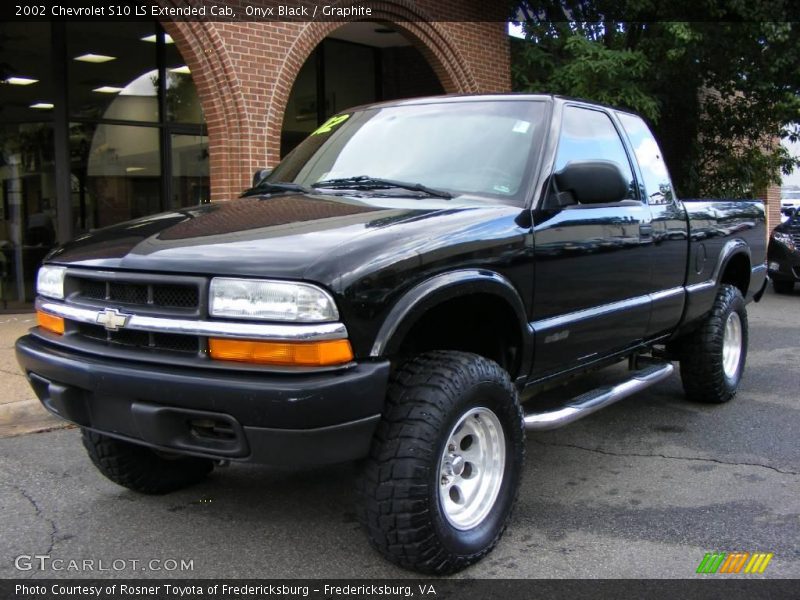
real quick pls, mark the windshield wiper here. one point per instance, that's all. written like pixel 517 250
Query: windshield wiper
pixel 365 182
pixel 275 187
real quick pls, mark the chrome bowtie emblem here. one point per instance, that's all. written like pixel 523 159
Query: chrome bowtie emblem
pixel 112 319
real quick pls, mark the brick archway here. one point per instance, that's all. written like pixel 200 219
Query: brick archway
pixel 429 38
pixel 244 72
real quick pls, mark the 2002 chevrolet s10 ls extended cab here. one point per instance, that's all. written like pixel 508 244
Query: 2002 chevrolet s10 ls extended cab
pixel 388 293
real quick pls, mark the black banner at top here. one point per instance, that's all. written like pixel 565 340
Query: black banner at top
pixel 401 10
pixel 258 10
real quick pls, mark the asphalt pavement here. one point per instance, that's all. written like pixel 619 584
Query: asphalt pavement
pixel 642 489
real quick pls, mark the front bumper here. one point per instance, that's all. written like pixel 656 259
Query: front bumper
pixel 270 418
pixel 783 263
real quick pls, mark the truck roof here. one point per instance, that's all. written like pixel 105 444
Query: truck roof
pixel 488 97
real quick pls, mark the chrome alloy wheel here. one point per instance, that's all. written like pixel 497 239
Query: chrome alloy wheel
pixel 471 468
pixel 732 345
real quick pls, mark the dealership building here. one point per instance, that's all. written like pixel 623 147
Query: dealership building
pixel 101 122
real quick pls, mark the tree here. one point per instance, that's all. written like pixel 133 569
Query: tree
pixel 719 90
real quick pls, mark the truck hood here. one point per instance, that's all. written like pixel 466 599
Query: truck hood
pixel 287 236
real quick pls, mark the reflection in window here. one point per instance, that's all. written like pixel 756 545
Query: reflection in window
pixel 300 116
pixel 123 83
pixel 590 135
pixel 183 104
pixel 26 92
pixel 349 76
pixel 189 170
pixel 27 209
pixel 118 171
pixel 654 170
pixel 482 148
pixel 126 158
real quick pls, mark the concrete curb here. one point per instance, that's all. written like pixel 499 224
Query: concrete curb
pixel 20 410
pixel 27 416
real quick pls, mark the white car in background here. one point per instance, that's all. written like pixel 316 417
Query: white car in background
pixel 790 200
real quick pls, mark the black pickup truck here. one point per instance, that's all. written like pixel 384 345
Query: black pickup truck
pixel 387 294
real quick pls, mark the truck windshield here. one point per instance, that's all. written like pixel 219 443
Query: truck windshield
pixel 483 148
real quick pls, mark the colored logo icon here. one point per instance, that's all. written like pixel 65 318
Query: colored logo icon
pixel 734 562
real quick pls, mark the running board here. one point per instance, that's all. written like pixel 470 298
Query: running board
pixel 594 400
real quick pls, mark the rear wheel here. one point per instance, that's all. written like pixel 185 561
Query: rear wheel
pixel 444 469
pixel 141 469
pixel 782 286
pixel 713 357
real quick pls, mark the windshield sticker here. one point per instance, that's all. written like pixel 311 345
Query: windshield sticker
pixel 328 125
pixel 521 127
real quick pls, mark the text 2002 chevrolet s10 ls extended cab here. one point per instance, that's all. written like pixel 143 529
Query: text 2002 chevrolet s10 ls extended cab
pixel 388 293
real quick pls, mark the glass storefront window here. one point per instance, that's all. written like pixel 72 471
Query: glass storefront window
pixel 349 75
pixel 301 115
pixel 112 72
pixel 117 169
pixel 27 208
pixel 183 104
pixel 127 158
pixel 190 183
pixel 26 92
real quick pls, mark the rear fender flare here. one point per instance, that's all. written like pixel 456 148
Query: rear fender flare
pixel 729 250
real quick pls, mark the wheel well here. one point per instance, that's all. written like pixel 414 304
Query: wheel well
pixel 737 272
pixel 481 323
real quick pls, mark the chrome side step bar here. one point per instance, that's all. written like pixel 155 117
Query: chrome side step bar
pixel 594 400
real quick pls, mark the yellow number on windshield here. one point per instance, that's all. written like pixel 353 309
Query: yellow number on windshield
pixel 328 125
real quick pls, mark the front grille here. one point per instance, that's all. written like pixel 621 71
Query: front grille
pixel 169 342
pixel 796 239
pixel 158 295
pixel 162 296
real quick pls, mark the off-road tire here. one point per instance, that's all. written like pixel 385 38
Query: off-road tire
pixel 702 373
pixel 399 498
pixel 781 286
pixel 141 469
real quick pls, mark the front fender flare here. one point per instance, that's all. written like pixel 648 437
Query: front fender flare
pixel 431 292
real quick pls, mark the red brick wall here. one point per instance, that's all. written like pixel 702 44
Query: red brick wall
pixel 772 202
pixel 244 73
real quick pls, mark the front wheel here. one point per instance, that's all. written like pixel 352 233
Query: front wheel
pixel 445 465
pixel 713 356
pixel 141 469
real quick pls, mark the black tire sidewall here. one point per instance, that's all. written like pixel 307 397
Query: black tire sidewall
pixel 737 305
pixel 493 396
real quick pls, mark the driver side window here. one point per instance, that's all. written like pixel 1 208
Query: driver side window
pixel 588 134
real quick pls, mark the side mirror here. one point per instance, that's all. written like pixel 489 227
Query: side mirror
pixel 260 175
pixel 593 181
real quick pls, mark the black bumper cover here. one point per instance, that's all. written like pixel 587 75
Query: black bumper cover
pixel 268 418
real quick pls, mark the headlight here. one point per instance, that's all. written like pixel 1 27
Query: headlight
pixel 783 238
pixel 270 300
pixel 50 282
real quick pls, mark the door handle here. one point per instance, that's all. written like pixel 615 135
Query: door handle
pixel 645 230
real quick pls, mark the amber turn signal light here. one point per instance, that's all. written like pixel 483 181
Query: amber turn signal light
pixel 297 354
pixel 49 322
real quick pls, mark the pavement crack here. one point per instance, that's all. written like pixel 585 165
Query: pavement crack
pixel 40 515
pixel 668 457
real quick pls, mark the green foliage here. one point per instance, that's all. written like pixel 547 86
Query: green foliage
pixel 719 94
